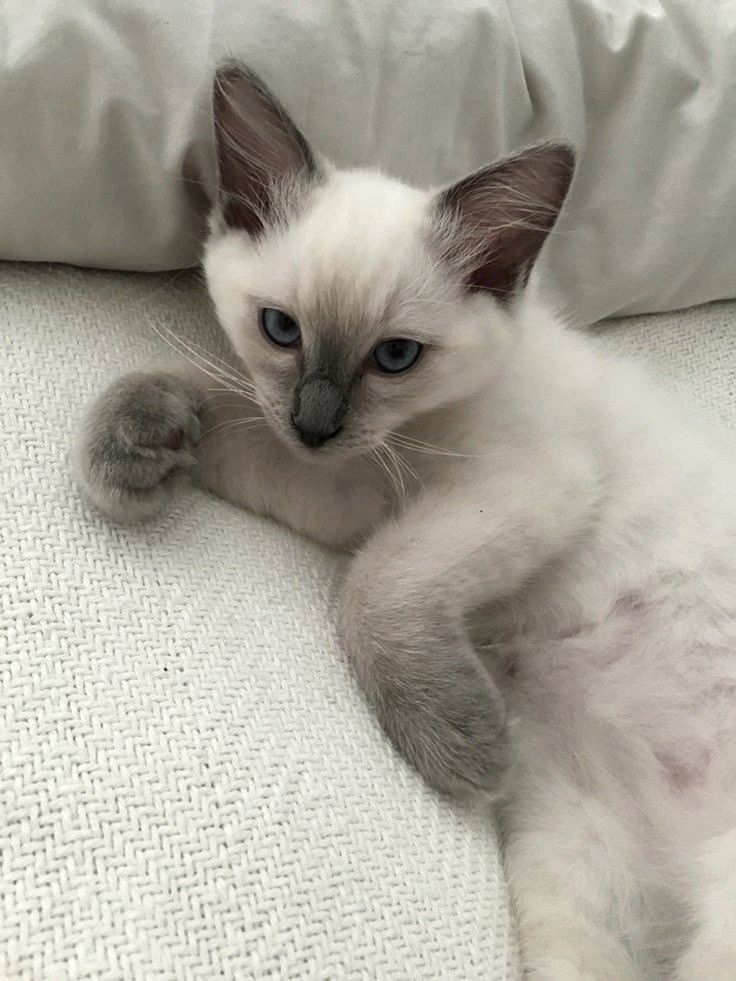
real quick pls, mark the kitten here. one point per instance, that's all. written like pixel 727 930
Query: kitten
pixel 541 603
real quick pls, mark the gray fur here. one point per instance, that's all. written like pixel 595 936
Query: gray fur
pixel 319 407
pixel 428 689
pixel 493 222
pixel 264 162
pixel 136 441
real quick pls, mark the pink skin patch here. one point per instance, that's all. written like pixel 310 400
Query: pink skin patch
pixel 686 769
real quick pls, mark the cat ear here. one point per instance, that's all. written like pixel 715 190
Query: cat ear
pixel 259 149
pixel 494 222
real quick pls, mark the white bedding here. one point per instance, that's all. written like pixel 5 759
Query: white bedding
pixel 105 132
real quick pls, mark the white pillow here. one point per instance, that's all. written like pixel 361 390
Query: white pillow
pixel 106 128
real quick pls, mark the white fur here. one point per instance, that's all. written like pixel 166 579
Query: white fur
pixel 594 526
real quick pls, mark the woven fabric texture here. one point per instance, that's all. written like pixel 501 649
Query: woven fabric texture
pixel 190 786
pixel 691 352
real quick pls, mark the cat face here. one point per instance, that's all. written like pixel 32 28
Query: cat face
pixel 346 321
pixel 358 303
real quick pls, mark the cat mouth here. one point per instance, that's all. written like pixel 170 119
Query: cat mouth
pixel 311 438
pixel 341 441
pixel 331 450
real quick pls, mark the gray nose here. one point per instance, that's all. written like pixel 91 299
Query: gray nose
pixel 313 438
pixel 319 408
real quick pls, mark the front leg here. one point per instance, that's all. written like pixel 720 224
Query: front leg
pixel 337 504
pixel 148 430
pixel 406 601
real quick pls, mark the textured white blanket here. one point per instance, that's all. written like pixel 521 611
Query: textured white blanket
pixel 190 786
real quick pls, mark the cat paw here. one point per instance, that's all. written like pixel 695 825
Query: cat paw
pixel 458 738
pixel 445 716
pixel 135 442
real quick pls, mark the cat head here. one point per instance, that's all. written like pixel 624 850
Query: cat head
pixel 358 303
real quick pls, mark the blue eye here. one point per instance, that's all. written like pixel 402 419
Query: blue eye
pixel 397 355
pixel 279 327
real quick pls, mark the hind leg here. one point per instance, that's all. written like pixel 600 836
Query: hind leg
pixel 570 864
pixel 712 951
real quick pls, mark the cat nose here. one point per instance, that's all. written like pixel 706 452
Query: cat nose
pixel 319 407
pixel 313 438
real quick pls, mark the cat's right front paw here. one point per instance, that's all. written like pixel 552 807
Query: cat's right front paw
pixel 135 441
pixel 428 689
pixel 451 726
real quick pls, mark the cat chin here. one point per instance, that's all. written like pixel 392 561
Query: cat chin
pixel 343 448
pixel 328 453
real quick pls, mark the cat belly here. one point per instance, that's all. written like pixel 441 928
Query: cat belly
pixel 640 708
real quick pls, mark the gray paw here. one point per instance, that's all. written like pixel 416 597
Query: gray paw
pixel 136 441
pixel 452 728
pixel 431 695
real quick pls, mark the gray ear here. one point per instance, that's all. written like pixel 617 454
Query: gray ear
pixel 494 222
pixel 259 149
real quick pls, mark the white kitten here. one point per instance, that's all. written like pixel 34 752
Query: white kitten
pixel 538 535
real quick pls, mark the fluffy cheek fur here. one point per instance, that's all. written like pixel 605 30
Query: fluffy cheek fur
pixel 452 366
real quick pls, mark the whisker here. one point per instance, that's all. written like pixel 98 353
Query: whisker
pixel 235 424
pixel 406 465
pixel 384 466
pixel 227 373
pixel 403 464
pixel 182 351
pixel 202 351
pixel 216 392
pixel 419 446
pixel 223 405
pixel 391 455
pixel 409 469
